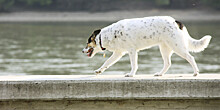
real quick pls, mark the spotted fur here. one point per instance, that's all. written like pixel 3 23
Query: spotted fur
pixel 132 35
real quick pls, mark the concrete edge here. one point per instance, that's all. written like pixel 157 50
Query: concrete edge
pixel 109 87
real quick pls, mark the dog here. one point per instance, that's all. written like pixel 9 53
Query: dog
pixel 132 35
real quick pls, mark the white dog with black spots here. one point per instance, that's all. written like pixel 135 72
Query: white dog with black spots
pixel 132 35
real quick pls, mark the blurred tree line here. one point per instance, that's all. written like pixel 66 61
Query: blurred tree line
pixel 103 5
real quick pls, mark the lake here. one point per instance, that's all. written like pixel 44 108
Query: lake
pixel 50 48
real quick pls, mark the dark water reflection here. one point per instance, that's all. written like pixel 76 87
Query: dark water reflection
pixel 55 48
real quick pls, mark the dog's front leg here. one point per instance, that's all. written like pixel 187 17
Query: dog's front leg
pixel 134 65
pixel 113 59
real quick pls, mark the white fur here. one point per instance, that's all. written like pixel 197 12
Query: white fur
pixel 132 35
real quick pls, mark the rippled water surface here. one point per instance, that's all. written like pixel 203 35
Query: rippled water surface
pixel 55 48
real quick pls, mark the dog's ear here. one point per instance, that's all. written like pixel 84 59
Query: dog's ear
pixel 93 36
pixel 96 32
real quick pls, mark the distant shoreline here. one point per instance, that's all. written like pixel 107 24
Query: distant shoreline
pixel 182 15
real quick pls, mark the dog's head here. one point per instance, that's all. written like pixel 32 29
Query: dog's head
pixel 92 46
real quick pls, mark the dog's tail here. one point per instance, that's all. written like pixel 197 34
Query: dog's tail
pixel 197 45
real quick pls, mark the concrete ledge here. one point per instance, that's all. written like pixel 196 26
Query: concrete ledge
pixel 109 87
pixel 112 105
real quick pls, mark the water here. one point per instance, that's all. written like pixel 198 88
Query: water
pixel 55 49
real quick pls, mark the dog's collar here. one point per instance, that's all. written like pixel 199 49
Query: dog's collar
pixel 100 43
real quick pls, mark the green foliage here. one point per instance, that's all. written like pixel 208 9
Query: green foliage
pixel 5 4
pixel 88 5
pixel 36 2
pixel 162 2
pixel 212 3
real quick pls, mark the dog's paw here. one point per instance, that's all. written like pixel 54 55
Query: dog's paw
pixel 196 74
pixel 158 74
pixel 129 75
pixel 98 72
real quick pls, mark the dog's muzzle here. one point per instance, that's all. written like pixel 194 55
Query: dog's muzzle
pixel 84 50
pixel 89 51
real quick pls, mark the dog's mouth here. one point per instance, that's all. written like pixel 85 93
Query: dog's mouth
pixel 90 51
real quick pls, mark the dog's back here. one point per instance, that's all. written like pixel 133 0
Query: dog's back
pixel 140 33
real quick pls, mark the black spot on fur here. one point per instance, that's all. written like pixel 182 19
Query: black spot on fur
pixel 115 34
pixel 117 31
pixel 180 25
pixel 121 33
pixel 153 33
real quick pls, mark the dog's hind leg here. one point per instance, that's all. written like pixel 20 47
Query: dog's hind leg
pixel 113 59
pixel 134 65
pixel 166 53
pixel 186 55
pixel 182 51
